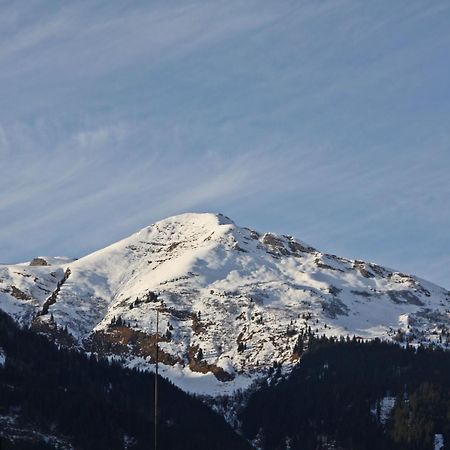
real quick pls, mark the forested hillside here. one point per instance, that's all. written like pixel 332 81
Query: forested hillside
pixel 353 395
pixel 52 398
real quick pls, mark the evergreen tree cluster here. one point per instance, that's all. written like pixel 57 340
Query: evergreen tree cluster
pixel 96 403
pixel 330 399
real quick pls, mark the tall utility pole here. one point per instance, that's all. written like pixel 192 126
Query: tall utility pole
pixel 156 381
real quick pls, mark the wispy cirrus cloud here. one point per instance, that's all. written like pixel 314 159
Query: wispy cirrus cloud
pixel 325 120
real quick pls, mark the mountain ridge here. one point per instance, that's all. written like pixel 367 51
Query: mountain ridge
pixel 232 301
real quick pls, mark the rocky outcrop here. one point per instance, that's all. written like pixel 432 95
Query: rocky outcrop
pixel 198 364
pixel 39 262
pixel 125 341
pixel 52 299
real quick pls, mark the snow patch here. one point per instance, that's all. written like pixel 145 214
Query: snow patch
pixel 383 408
pixel 2 357
pixel 194 382
pixel 438 442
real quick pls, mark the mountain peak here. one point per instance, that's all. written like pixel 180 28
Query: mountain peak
pixel 187 225
pixel 203 218
pixel 232 301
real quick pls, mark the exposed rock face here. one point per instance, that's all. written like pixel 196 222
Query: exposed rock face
pixel 17 293
pixel 125 341
pixel 39 262
pixel 232 301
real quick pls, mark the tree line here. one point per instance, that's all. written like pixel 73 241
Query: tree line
pixel 332 398
pixel 95 403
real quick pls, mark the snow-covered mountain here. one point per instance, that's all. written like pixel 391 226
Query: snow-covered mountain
pixel 231 301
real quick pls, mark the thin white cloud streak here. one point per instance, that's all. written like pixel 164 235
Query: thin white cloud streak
pixel 79 37
pixel 86 183
pixel 202 180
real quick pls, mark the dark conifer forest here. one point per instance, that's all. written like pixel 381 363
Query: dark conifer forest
pixel 93 403
pixel 333 399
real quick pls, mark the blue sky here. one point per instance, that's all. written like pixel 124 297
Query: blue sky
pixel 328 120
